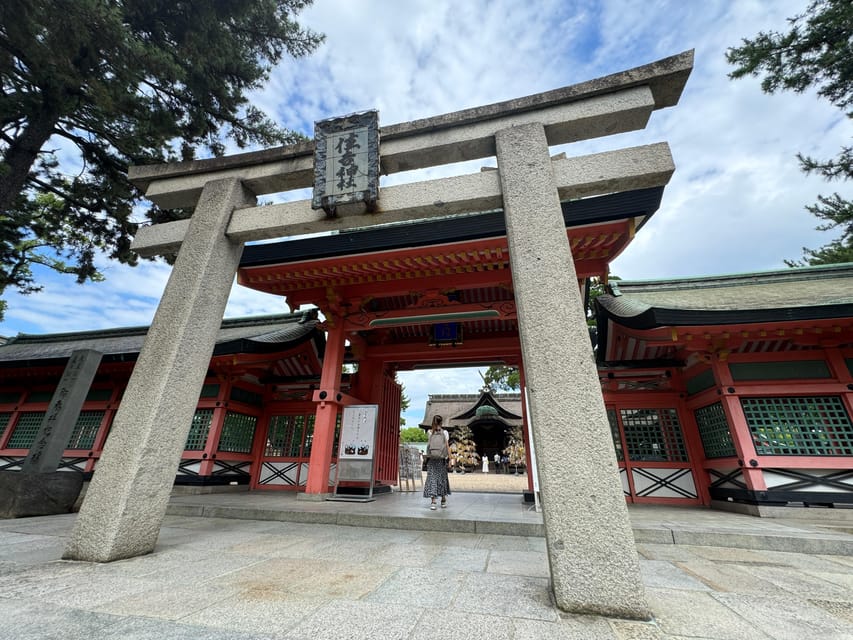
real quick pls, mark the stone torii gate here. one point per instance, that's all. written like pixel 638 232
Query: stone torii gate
pixel 594 566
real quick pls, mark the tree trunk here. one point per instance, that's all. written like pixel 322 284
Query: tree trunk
pixel 22 154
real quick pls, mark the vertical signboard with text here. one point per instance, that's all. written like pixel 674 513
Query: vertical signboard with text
pixel 357 448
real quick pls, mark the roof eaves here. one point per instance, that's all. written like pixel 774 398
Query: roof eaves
pixel 798 274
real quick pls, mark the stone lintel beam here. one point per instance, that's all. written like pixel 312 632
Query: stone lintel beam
pixel 592 117
pixel 429 141
pixel 576 177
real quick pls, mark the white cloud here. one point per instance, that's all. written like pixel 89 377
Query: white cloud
pixel 734 204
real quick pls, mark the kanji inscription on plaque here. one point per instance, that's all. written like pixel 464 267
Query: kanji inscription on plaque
pixel 346 161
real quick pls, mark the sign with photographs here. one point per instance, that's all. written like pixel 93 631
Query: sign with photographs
pixel 358 432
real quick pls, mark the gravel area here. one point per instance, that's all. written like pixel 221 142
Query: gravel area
pixel 487 482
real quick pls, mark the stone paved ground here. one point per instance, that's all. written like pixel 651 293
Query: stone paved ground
pixel 220 579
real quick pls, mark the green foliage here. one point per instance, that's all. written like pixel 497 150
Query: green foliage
pixel 502 377
pixel 596 288
pixel 413 434
pixel 816 52
pixel 90 87
pixel 405 402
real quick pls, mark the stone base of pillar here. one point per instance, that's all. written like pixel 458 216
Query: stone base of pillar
pixel 38 494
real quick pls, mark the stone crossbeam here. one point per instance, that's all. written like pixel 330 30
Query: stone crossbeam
pixel 576 177
pixel 613 104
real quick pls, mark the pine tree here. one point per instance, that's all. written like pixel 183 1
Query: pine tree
pixel 817 52
pixel 90 87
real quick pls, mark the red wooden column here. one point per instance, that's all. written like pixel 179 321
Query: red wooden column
pixel 368 380
pixel 374 384
pixel 695 450
pixel 217 421
pixel 838 367
pixel 103 430
pixel 741 435
pixel 328 401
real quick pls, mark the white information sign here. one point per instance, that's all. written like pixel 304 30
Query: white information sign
pixel 356 452
pixel 358 432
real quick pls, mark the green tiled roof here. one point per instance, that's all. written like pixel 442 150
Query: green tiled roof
pixel 823 285
pixel 790 294
pixel 262 333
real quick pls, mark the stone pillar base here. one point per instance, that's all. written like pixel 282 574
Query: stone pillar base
pixel 38 494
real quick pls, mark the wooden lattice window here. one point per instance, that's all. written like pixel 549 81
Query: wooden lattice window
pixel 799 426
pixel 85 430
pixel 26 430
pixel 5 416
pixel 653 435
pixel 714 431
pixel 614 433
pixel 200 428
pixel 238 431
pixel 284 437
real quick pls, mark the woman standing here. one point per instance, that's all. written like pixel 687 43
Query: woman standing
pixel 437 484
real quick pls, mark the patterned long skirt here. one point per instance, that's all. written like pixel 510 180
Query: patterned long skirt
pixel 437 484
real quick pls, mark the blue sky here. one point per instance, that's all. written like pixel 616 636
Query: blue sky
pixel 735 203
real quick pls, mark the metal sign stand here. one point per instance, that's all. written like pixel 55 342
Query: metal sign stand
pixel 356 451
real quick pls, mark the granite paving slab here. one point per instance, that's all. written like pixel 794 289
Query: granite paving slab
pixel 786 623
pixel 246 580
pixel 346 619
pixel 731 578
pixel 174 603
pixel 152 629
pixel 307 577
pixel 441 624
pixel 568 627
pixel 690 612
pixel 269 614
pixel 519 563
pixel 460 559
pixel 664 574
pixel 40 621
pixel 515 596
pixel 841 610
pixel 419 587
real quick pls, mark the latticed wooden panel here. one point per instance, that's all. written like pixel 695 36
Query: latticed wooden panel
pixel 284 437
pixel 653 435
pixel 714 431
pixel 5 416
pixel 26 430
pixel 799 426
pixel 85 430
pixel 286 434
pixel 614 433
pixel 197 438
pixel 238 431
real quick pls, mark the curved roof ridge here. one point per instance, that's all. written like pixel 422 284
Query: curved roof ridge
pixel 795 274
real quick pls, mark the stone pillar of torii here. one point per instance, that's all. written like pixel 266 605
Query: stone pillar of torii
pixel 594 565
